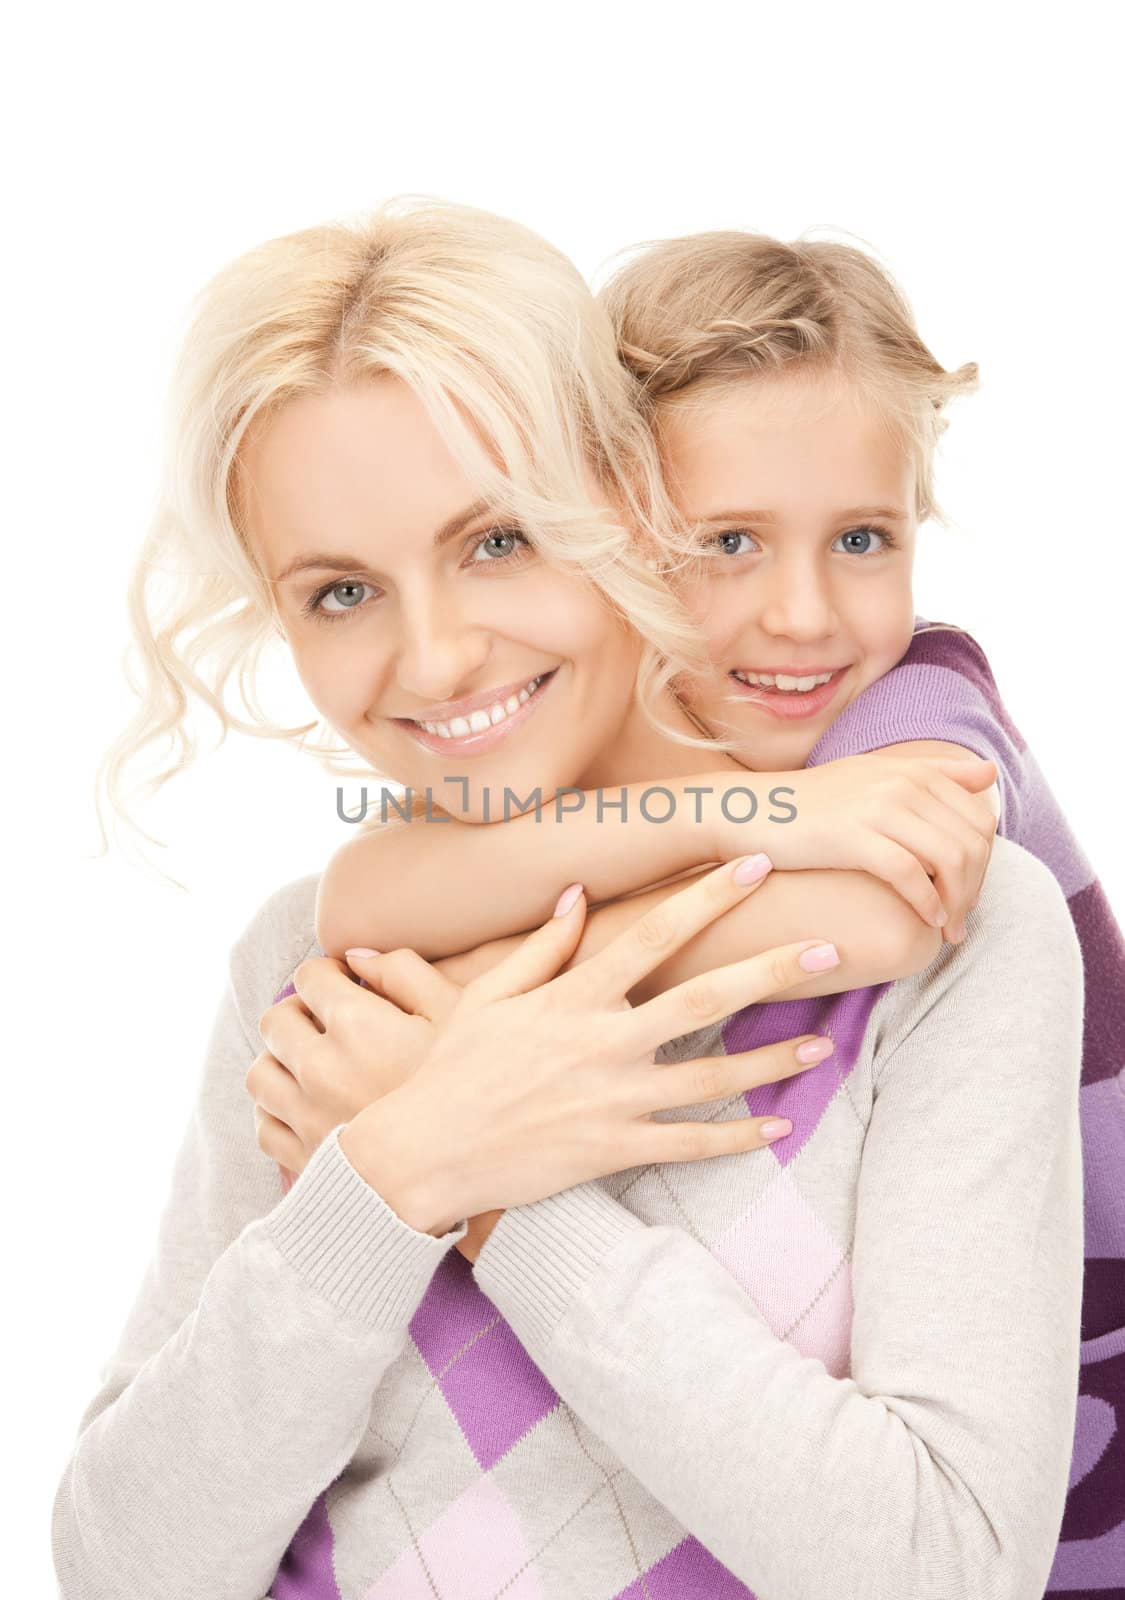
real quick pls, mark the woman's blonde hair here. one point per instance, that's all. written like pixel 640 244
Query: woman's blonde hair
pixel 705 311
pixel 500 337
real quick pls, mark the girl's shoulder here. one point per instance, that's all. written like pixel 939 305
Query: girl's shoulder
pixel 279 935
pixel 944 648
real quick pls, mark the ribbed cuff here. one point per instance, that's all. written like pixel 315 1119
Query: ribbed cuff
pixel 347 1242
pixel 537 1258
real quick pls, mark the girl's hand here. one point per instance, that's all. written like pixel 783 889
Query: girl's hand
pixel 918 822
pixel 309 1079
pixel 533 1086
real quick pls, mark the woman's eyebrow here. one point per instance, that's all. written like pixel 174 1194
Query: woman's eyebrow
pixel 330 561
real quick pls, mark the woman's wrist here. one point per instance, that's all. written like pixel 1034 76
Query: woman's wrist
pixel 384 1145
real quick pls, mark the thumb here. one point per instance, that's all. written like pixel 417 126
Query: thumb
pixel 541 954
pixel 970 771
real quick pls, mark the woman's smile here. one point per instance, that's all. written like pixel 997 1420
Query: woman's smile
pixel 479 722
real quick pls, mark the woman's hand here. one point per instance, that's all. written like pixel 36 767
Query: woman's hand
pixel 532 1086
pixel 920 823
pixel 312 1077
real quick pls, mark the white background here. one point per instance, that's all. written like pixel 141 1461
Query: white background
pixel 971 146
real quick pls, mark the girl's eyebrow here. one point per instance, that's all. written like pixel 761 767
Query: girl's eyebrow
pixel 327 561
pixel 888 513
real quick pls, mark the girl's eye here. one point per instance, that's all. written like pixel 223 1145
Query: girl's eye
pixel 858 541
pixel 727 544
pixel 513 538
pixel 313 608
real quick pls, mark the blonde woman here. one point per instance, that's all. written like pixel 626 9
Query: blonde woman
pixel 312 1396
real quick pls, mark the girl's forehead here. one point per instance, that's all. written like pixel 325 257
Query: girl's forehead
pixel 784 438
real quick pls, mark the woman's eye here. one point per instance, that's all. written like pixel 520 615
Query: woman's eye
pixel 501 544
pixel 858 541
pixel 727 544
pixel 353 601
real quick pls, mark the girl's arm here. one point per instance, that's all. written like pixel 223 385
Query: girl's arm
pixel 936 1465
pixel 243 1379
pixel 442 887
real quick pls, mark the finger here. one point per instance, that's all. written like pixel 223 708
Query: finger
pixel 970 772
pixel 274 1088
pixel 324 985
pixel 538 957
pixel 691 1083
pixel 659 1142
pixel 907 860
pixel 407 980
pixel 667 927
pixel 286 1027
pixel 710 996
pixel 959 854
pixel 975 809
pixel 278 1141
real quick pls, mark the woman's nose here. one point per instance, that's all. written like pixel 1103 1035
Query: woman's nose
pixel 796 602
pixel 440 649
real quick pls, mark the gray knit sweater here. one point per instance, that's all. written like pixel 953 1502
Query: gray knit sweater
pixel 843 1369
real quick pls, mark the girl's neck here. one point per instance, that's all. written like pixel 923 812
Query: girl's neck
pixel 640 754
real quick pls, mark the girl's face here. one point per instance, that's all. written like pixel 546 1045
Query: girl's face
pixel 426 630
pixel 806 505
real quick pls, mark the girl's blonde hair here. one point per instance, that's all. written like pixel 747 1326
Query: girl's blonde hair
pixel 502 340
pixel 704 311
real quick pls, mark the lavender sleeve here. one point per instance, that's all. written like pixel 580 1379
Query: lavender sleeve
pixel 943 688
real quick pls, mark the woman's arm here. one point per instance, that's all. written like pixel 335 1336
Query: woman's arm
pixel 938 1467
pixel 242 1382
pixel 878 936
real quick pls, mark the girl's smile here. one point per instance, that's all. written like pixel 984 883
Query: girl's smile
pixel 791 691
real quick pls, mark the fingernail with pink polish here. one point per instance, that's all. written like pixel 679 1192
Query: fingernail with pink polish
pixel 753 869
pixel 821 958
pixel 567 899
pixel 360 950
pixel 777 1129
pixel 815 1050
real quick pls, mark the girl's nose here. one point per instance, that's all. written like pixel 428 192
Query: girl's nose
pixel 796 602
pixel 440 649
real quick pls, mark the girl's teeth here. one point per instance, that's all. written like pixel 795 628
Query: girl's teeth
pixel 478 721
pixel 783 681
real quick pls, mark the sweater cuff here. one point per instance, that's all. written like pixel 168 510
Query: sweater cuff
pixel 539 1257
pixel 350 1246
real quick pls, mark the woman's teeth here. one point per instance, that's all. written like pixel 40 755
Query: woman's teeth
pixel 782 680
pixel 487 717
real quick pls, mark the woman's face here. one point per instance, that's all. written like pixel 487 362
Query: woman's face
pixel 425 629
pixel 806 503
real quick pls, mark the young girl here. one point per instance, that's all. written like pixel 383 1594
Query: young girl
pixel 390 403
pixel 797 410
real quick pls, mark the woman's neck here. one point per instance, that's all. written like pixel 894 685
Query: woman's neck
pixel 639 753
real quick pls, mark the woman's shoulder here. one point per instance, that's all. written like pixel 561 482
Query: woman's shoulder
pixel 1020 946
pixel 1018 884
pixel 278 936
